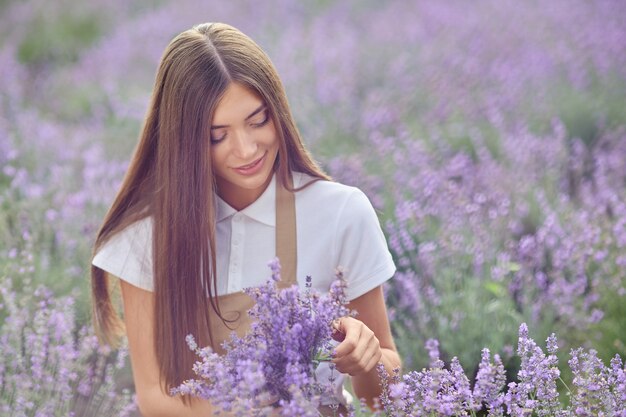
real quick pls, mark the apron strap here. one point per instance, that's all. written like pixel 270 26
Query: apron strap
pixel 286 243
pixel 234 306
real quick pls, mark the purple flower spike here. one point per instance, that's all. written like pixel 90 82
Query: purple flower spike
pixel 277 358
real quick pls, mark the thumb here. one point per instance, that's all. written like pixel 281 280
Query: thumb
pixel 338 333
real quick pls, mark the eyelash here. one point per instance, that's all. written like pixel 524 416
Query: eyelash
pixel 256 125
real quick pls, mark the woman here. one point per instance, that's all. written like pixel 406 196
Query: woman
pixel 195 221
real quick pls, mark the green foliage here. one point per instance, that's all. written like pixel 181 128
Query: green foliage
pixel 584 112
pixel 58 41
pixel 608 336
pixel 471 313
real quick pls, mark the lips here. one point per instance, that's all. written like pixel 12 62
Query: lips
pixel 250 165
pixel 251 168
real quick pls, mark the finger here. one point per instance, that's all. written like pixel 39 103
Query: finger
pixel 366 340
pixel 337 334
pixel 354 368
pixel 352 332
pixel 363 364
pixel 374 360
pixel 362 358
pixel 362 351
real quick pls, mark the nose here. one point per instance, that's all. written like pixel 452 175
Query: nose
pixel 244 146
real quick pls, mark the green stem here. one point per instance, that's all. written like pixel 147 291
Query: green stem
pixel 566 386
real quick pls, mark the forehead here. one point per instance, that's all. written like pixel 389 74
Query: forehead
pixel 237 103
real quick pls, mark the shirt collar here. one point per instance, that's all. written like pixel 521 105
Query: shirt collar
pixel 262 210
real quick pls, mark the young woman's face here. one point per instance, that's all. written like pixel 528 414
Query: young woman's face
pixel 244 146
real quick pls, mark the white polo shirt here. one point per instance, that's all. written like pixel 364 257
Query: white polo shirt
pixel 336 227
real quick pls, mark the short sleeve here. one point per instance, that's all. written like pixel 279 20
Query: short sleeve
pixel 128 255
pixel 362 249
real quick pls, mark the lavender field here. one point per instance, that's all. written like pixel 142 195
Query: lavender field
pixel 490 135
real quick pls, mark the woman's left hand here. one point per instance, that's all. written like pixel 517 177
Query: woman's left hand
pixel 359 351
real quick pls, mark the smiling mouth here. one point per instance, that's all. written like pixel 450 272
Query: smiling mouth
pixel 253 167
pixel 251 164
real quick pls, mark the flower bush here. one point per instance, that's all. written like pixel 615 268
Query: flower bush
pixel 597 390
pixel 51 365
pixel 275 361
pixel 490 136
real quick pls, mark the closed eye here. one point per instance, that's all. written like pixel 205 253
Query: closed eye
pixel 253 119
pixel 263 122
pixel 218 139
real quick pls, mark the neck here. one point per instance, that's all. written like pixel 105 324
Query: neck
pixel 237 197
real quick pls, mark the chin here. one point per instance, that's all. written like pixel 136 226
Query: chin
pixel 253 183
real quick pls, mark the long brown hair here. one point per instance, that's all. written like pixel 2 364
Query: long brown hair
pixel 170 178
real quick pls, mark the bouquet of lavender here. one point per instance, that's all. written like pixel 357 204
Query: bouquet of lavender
pixel 274 362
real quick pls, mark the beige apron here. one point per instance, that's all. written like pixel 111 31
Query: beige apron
pixel 234 306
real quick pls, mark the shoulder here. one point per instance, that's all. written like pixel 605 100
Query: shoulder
pixel 335 207
pixel 323 195
pixel 137 232
pixel 341 220
pixel 128 254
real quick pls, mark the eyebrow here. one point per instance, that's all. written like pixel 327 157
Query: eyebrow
pixel 251 115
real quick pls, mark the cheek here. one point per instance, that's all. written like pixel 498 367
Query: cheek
pixel 217 159
pixel 271 137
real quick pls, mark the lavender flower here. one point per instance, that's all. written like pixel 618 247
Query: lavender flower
pixel 593 393
pixel 276 359
pixel 499 206
pixel 51 365
pixel 489 384
pixel 598 390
